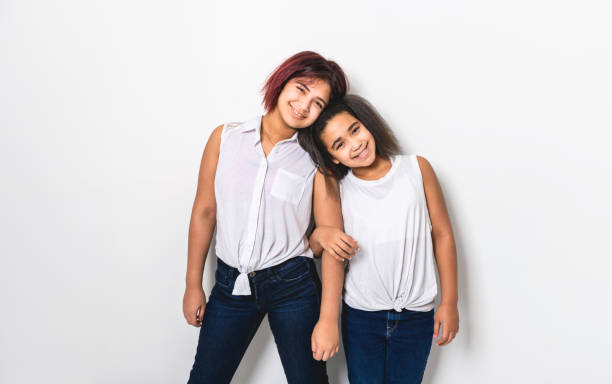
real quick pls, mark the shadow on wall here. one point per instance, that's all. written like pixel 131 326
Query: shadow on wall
pixel 462 340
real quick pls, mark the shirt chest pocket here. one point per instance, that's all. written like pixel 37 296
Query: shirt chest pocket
pixel 288 186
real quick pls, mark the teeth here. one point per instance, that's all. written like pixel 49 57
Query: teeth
pixel 296 112
pixel 360 155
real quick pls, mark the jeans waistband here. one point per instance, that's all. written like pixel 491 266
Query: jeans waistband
pixel 265 273
pixel 389 314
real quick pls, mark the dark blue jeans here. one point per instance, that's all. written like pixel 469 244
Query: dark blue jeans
pixel 289 293
pixel 386 346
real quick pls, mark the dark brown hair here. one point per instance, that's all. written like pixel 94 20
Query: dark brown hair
pixel 304 64
pixel 358 107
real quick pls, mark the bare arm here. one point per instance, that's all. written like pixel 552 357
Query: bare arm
pixel 328 213
pixel 445 253
pixel 201 227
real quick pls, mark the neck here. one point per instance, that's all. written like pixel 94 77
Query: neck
pixel 374 171
pixel 274 129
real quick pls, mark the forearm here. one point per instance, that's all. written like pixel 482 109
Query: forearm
pixel 333 278
pixel 327 211
pixel 201 228
pixel 446 258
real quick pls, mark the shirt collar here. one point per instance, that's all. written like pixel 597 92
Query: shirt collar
pixel 253 126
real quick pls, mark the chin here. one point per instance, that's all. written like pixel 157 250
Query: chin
pixel 365 163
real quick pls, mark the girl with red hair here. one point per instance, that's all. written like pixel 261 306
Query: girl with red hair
pixel 258 187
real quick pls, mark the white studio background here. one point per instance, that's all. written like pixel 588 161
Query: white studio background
pixel 105 107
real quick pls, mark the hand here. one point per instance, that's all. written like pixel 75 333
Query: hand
pixel 325 340
pixel 194 304
pixel 337 243
pixel 446 316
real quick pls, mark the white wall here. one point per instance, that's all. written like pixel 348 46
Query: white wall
pixel 105 107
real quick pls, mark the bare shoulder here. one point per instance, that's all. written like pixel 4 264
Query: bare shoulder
pixel 425 166
pixel 214 140
pixel 216 133
pixel 325 186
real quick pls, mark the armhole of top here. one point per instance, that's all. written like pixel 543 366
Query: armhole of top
pixel 226 130
pixel 418 167
pixel 223 134
pixel 415 161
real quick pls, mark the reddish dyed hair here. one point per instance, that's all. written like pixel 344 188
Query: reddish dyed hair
pixel 304 64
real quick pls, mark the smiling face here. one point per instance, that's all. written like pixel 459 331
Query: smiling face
pixel 348 141
pixel 302 100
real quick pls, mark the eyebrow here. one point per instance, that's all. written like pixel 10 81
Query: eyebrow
pixel 308 89
pixel 340 138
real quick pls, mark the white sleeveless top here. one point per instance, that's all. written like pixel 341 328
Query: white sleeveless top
pixel 263 204
pixel 388 217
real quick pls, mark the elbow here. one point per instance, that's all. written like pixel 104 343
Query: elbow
pixel 205 212
pixel 443 238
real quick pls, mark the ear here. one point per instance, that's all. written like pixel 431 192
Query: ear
pixel 336 161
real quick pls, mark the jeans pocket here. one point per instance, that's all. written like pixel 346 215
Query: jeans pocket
pixel 295 271
pixel 222 278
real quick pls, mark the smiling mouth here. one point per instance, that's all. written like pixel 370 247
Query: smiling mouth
pixel 296 113
pixel 363 154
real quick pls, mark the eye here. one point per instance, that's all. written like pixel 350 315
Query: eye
pixel 355 130
pixel 318 104
pixel 339 146
pixel 301 89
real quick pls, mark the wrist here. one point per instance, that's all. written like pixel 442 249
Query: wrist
pixel 193 285
pixel 328 319
pixel 449 302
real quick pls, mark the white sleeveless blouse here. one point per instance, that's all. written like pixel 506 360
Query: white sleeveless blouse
pixel 395 267
pixel 263 203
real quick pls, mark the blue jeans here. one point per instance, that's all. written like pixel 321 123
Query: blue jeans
pixel 386 346
pixel 289 293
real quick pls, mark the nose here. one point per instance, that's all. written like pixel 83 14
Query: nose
pixel 302 107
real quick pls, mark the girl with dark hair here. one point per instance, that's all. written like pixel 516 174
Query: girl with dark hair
pixel 258 187
pixel 393 206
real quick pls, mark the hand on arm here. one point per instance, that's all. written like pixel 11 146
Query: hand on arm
pixel 201 227
pixel 331 239
pixel 447 315
pixel 327 212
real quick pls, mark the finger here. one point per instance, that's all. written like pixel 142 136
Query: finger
pixel 448 339
pixel 189 317
pixel 445 335
pixel 436 328
pixel 350 241
pixel 346 248
pixel 194 319
pixel 318 354
pixel 337 349
pixel 341 253
pixel 325 356
pixel 332 353
pixel 333 254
